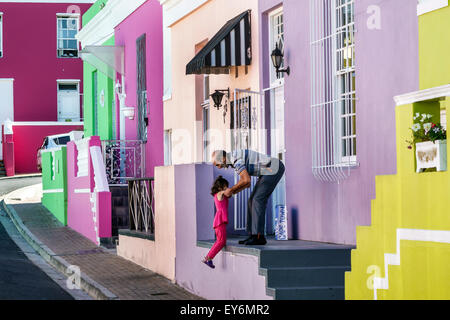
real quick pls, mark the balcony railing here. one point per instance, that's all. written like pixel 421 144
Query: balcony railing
pixel 124 159
pixel 141 205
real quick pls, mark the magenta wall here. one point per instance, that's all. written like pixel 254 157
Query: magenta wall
pixel 387 65
pixel 30 57
pixel 80 192
pixel 146 19
pixel 27 140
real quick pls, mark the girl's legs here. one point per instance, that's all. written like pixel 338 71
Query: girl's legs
pixel 221 241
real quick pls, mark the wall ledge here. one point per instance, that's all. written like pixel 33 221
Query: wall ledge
pixel 423 95
pixel 136 234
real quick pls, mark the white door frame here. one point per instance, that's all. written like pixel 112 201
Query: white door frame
pixel 68 81
pixel 5 111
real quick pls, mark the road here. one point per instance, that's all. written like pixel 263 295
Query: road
pixel 20 277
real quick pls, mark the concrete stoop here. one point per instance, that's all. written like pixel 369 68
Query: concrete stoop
pixel 302 270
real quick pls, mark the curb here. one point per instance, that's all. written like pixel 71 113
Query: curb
pixel 22 176
pixel 94 289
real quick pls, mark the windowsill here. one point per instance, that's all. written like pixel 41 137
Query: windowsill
pixel 431 5
pixel 351 165
pixel 137 234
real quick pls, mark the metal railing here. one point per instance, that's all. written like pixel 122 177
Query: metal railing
pixel 141 204
pixel 124 159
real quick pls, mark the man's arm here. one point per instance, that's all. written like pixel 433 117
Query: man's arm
pixel 244 183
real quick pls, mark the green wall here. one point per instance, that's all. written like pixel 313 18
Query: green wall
pixel 434 48
pixel 54 181
pixel 93 10
pixel 104 83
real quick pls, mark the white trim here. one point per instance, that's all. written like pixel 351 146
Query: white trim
pixel 68 81
pixel 6 79
pixel 175 10
pixel 53 191
pixel 51 149
pixel 423 95
pixel 394 258
pixel 68 15
pixel 47 123
pixel 430 5
pixel 101 27
pixel 82 191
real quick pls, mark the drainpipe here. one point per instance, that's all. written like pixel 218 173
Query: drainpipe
pixel 121 93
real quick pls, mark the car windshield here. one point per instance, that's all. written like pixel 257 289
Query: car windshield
pixel 62 141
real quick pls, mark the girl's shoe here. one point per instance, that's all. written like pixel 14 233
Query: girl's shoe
pixel 209 263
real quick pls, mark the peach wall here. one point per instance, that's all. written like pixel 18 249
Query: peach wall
pixel 180 110
pixel 158 255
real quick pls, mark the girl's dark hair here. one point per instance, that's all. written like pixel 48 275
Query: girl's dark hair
pixel 218 185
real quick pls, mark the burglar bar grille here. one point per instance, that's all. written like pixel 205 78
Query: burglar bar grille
pixel 332 90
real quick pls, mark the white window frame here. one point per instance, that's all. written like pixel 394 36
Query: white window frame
pixel 425 6
pixel 168 147
pixel 346 74
pixel 206 112
pixel 1 36
pixel 273 15
pixel 60 16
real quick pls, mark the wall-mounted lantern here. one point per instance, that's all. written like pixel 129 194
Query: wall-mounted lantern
pixel 217 97
pixel 277 60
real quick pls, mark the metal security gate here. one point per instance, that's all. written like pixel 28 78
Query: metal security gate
pixel 142 119
pixel 332 89
pixel 248 132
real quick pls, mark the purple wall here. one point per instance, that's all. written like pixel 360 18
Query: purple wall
pixel 386 65
pixel 146 19
pixel 30 57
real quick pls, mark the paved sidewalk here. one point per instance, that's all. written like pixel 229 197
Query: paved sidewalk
pixel 111 276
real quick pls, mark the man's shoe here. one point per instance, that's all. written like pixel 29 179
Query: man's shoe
pixel 256 241
pixel 246 240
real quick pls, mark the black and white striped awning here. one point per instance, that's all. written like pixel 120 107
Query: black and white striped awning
pixel 231 46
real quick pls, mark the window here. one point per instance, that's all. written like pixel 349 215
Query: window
pixel 168 147
pixel 276 38
pixel 67 44
pixel 1 34
pixel 333 108
pixel 345 57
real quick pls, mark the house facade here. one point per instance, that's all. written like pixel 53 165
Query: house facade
pixel 404 254
pixel 41 98
pixel 122 53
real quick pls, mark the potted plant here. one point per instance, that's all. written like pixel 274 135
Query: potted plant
pixel 430 140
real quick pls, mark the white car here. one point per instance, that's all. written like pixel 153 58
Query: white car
pixel 56 141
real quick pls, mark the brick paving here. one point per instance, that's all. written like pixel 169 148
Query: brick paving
pixel 123 278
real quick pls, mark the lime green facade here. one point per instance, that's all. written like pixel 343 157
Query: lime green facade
pixel 99 107
pixel 434 48
pixel 54 183
pixel 405 252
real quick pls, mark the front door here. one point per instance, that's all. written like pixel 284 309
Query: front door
pixel 278 149
pixel 68 102
pixel 6 104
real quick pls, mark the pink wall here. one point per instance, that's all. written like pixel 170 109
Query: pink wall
pixel 30 57
pixel 80 216
pixel 146 19
pixel 28 138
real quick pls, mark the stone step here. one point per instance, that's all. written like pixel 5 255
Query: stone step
pixel 305 258
pixel 305 277
pixel 307 293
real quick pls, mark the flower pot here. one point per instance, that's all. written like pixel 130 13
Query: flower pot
pixel 431 155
